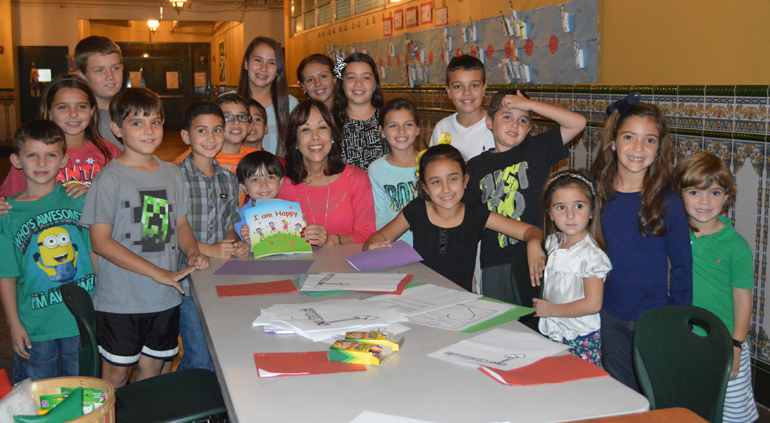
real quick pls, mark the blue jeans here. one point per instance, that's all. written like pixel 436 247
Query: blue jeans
pixel 196 353
pixel 617 349
pixel 54 358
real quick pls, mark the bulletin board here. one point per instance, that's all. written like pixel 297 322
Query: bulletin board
pixel 556 44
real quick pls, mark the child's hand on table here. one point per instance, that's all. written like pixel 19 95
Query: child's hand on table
pixel 543 307
pixel 198 261
pixel 224 249
pixel 241 249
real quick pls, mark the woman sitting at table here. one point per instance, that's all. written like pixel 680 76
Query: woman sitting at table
pixel 336 198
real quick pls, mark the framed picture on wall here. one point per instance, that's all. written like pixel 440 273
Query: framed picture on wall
pixel 411 17
pixel 387 27
pixel 442 16
pixel 398 19
pixel 222 58
pixel 426 13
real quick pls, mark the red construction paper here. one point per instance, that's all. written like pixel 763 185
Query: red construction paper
pixel 302 364
pixel 563 368
pixel 248 289
pixel 5 384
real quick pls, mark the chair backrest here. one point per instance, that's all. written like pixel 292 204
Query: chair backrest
pixel 79 303
pixel 678 368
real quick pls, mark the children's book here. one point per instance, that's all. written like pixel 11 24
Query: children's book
pixel 275 228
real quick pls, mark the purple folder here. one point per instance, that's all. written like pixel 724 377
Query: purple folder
pixel 399 254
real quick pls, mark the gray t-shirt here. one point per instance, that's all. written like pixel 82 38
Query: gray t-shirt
pixel 104 128
pixel 143 208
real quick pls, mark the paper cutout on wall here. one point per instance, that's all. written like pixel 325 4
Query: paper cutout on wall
pixel 529 58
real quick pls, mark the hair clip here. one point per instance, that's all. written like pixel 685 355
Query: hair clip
pixel 341 65
pixel 445 138
pixel 572 175
pixel 623 105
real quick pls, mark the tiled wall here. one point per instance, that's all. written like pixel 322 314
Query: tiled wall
pixel 730 121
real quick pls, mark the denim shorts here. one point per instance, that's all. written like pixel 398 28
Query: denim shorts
pixel 54 358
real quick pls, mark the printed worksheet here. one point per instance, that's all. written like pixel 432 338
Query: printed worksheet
pixel 500 349
pixel 422 299
pixel 462 316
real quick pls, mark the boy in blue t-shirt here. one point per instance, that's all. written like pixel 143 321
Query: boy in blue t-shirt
pixel 45 247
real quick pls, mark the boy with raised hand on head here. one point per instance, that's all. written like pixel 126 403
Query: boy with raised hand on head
pixel 466 85
pixel 44 247
pixel 258 126
pixel 213 212
pixel 98 60
pixel 137 212
pixel 510 180
pixel 237 119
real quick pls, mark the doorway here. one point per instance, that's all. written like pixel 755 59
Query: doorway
pixel 179 72
pixel 37 66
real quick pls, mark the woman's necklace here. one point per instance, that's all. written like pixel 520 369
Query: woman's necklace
pixel 326 214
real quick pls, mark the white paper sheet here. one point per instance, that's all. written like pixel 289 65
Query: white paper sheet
pixel 324 319
pixel 422 299
pixel 500 349
pixel 380 282
pixel 374 417
pixel 462 316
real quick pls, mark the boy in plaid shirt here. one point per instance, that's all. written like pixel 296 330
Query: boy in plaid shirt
pixel 213 212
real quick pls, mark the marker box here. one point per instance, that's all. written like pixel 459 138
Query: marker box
pixel 359 353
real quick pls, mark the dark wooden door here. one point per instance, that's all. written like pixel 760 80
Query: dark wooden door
pixel 37 66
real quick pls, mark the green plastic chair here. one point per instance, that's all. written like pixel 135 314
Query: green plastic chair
pixel 676 367
pixel 178 397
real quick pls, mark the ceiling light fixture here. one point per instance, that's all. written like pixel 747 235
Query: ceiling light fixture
pixel 177 4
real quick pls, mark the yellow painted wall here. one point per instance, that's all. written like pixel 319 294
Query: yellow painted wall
pixel 658 42
pixel 232 34
pixel 6 40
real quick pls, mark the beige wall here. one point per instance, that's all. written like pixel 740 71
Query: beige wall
pixel 232 34
pixel 6 40
pixel 640 41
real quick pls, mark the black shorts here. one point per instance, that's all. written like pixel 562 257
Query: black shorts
pixel 122 338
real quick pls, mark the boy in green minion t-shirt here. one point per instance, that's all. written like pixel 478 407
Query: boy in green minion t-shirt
pixel 45 247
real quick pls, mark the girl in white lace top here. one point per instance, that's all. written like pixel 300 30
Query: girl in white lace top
pixel 577 265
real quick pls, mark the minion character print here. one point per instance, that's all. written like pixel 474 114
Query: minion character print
pixel 58 256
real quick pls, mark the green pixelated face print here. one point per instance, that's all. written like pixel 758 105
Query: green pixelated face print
pixel 155 218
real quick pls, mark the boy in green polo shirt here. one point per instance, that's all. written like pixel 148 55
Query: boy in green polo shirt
pixel 722 268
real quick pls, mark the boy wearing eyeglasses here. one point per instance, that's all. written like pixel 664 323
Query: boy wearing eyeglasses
pixel 237 118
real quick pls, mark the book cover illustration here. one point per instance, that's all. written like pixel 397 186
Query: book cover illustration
pixel 275 228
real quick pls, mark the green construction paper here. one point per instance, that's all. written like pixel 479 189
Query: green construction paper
pixel 508 316
pixel 69 409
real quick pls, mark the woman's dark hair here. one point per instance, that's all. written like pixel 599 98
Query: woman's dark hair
pixel 295 162
pixel 581 179
pixel 258 162
pixel 313 58
pixel 657 179
pixel 401 104
pixel 437 152
pixel 279 89
pixel 75 82
pixel 341 102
